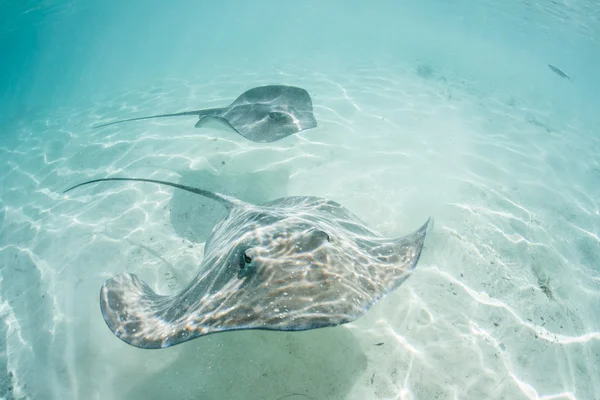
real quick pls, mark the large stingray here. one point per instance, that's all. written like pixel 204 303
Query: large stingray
pixel 291 264
pixel 262 114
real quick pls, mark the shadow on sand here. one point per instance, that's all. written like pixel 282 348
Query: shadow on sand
pixel 256 365
pixel 193 216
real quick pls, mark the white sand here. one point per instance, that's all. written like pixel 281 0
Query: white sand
pixel 513 192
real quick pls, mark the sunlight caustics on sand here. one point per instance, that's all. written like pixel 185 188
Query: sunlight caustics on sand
pixel 503 303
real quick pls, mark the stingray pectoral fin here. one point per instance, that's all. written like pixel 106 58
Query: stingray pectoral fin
pixel 430 223
pixel 409 247
pixel 136 314
pixel 399 256
pixel 211 121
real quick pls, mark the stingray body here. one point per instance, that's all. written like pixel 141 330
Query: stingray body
pixel 291 264
pixel 262 114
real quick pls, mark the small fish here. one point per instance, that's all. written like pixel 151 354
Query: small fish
pixel 559 72
pixel 379 344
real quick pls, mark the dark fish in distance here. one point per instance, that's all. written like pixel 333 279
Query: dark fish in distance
pixel 559 72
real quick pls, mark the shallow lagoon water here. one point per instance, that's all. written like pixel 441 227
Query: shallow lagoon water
pixel 503 303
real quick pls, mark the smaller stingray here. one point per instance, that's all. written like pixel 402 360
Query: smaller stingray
pixel 559 72
pixel 291 264
pixel 262 114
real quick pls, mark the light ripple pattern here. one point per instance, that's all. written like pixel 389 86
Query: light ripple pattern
pixel 503 303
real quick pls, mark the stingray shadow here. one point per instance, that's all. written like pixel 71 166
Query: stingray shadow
pixel 193 217
pixel 257 365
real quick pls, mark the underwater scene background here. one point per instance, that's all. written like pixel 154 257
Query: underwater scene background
pixel 424 109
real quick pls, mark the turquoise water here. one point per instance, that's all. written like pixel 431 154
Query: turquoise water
pixel 424 109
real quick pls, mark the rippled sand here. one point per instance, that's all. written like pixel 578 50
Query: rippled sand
pixel 503 304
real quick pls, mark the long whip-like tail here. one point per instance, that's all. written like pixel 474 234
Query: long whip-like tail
pixel 198 113
pixel 227 201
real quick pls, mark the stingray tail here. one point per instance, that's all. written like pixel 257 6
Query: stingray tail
pixel 198 113
pixel 136 314
pixel 227 201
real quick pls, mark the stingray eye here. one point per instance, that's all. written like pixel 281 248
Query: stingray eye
pixel 246 266
pixel 278 116
pixel 322 236
pixel 315 239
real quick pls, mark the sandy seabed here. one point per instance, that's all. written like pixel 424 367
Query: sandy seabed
pixel 503 303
